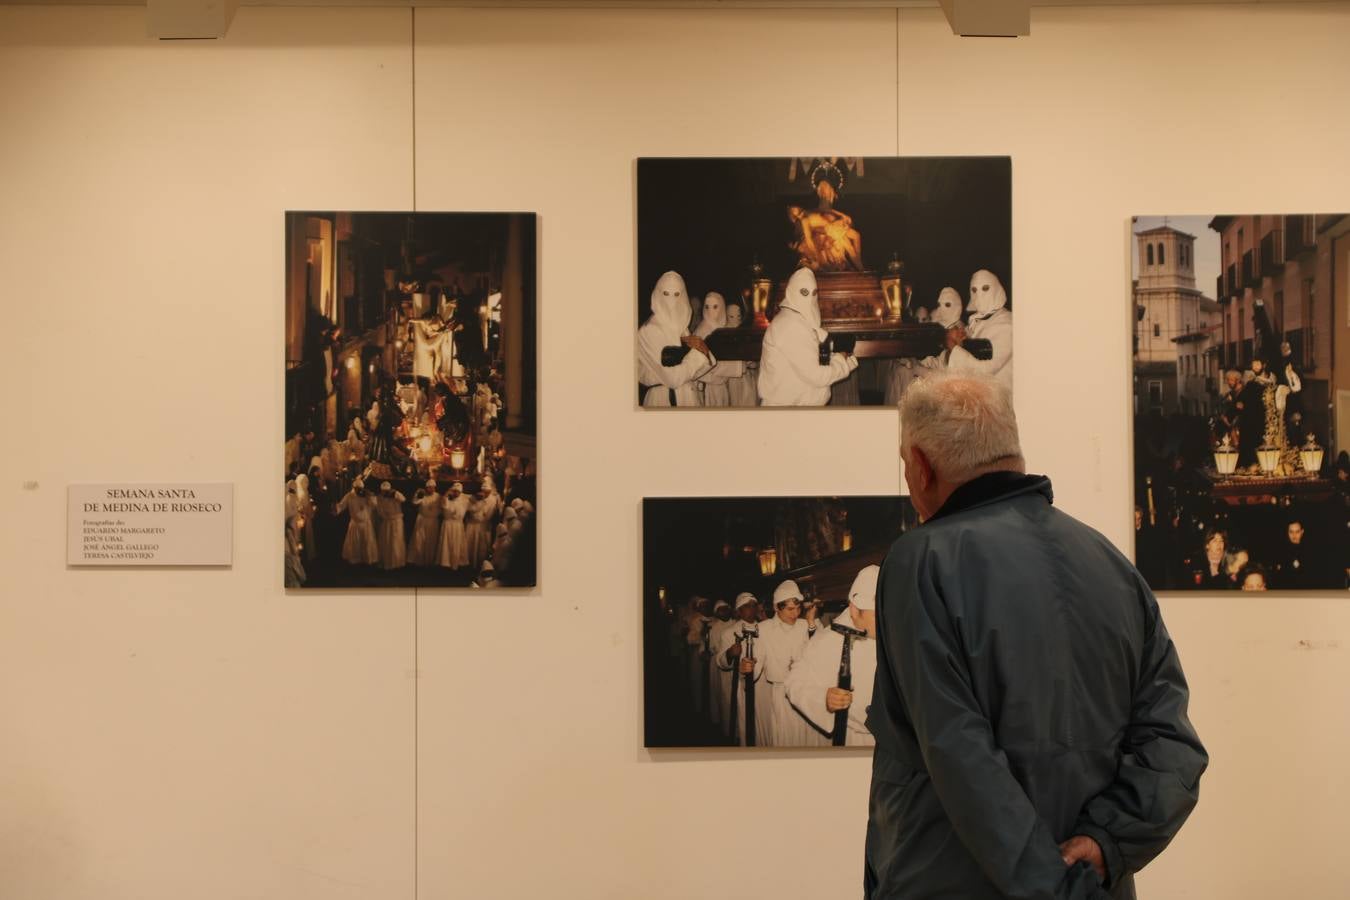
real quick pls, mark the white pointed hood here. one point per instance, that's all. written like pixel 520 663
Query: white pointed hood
pixel 986 295
pixel 800 297
pixel 714 314
pixel 670 307
pixel 948 310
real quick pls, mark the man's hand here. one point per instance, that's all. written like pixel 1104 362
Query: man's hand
pixel 1080 848
pixel 837 699
pixel 733 651
pixel 748 666
pixel 695 342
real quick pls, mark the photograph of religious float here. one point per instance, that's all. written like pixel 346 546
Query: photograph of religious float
pixel 759 618
pixel 815 281
pixel 411 388
pixel 1242 401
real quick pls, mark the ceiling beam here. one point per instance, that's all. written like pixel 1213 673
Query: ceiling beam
pixel 188 20
pixel 988 18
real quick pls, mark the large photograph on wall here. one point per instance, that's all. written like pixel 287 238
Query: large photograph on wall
pixel 759 618
pixel 819 281
pixel 1242 401
pixel 410 432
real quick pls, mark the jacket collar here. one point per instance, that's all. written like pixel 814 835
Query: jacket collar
pixel 993 487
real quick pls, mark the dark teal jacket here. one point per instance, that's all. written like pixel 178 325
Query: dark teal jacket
pixel 1026 691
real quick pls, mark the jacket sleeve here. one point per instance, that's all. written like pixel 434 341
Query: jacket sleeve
pixel 989 811
pixel 1158 781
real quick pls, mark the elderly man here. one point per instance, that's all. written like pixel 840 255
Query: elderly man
pixel 813 685
pixel 1029 708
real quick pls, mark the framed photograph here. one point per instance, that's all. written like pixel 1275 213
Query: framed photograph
pixel 1242 401
pixel 815 281
pixel 759 618
pixel 411 399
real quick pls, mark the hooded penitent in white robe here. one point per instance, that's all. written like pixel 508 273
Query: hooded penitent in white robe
pixel 361 547
pixel 389 512
pixel 310 545
pixel 991 321
pixel 454 546
pixel 697 637
pixel 818 669
pixel 720 681
pixel 946 313
pixel 668 323
pixel 294 573
pixel 503 547
pixel 736 682
pixel 477 535
pixel 426 537
pixel 717 380
pixel 790 373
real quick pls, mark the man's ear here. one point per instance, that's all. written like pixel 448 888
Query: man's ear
pixel 921 468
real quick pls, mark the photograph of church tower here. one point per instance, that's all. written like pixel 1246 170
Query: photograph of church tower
pixel 1241 392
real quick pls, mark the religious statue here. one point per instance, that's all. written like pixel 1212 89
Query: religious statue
pixel 824 238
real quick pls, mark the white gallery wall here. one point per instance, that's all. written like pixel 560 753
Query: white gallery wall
pixel 207 734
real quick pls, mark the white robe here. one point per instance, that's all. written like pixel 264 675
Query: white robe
pixel 698 663
pixel 818 670
pixel 736 681
pixel 743 391
pixel 426 531
pixel 453 552
pixel 780 646
pixel 668 323
pixel 361 547
pixel 790 373
pixel 393 551
pixel 719 709
pixel 996 328
pixel 477 533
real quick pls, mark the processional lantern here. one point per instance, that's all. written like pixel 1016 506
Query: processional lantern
pixel 1226 457
pixel 892 287
pixel 457 459
pixel 1311 455
pixel 768 561
pixel 1269 458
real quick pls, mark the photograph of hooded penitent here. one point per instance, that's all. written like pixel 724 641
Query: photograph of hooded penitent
pixel 815 281
pixel 759 618
pixel 1241 402
pixel 410 449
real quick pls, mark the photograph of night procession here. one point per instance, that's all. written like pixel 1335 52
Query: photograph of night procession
pixel 820 281
pixel 411 386
pixel 759 618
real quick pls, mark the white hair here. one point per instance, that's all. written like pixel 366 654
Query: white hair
pixel 962 423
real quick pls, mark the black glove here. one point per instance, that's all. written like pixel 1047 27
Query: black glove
pixel 673 356
pixel 980 348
